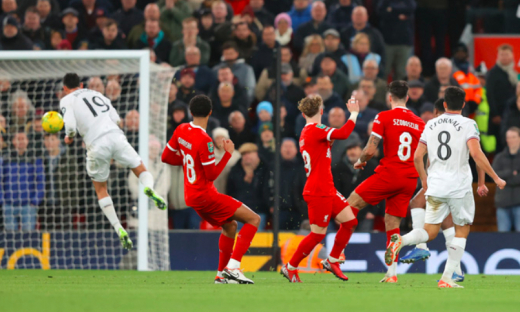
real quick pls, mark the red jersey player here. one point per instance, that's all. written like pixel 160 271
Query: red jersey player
pixel 395 179
pixel 323 201
pixel 192 148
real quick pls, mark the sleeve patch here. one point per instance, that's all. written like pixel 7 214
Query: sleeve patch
pixel 321 126
pixel 210 147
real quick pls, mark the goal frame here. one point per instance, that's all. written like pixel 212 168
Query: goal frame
pixel 143 56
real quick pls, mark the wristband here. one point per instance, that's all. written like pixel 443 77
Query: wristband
pixel 353 116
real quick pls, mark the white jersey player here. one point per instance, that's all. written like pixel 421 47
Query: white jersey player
pixel 448 140
pixel 92 115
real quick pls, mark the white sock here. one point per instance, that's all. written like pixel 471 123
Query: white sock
pixel 290 267
pixel 233 264
pixel 219 274
pixel 418 215
pixel 392 270
pixel 415 237
pixel 107 206
pixel 146 179
pixel 455 253
pixel 333 260
pixel 449 234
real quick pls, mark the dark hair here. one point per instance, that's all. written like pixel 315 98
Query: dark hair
pixel 454 98
pixel 514 129
pixel 32 9
pixel 109 23
pixel 200 106
pixel 71 80
pixel 230 45
pixel 398 89
pixel 439 105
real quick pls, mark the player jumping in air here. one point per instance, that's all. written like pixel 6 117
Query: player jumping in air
pixel 448 140
pixel 324 202
pixel 92 115
pixel 192 148
pixel 395 178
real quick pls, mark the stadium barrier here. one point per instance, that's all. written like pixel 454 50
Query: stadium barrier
pixel 487 253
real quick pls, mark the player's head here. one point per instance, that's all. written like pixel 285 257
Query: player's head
pixel 454 99
pixel 398 93
pixel 200 106
pixel 311 106
pixel 438 107
pixel 71 82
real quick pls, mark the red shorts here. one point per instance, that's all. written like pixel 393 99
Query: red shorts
pixel 324 208
pixel 216 208
pixel 396 190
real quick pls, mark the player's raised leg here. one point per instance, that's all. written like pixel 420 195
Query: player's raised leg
pixel 146 179
pixel 251 222
pixel 107 206
pixel 225 247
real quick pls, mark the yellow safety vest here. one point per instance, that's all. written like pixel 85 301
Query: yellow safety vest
pixel 489 142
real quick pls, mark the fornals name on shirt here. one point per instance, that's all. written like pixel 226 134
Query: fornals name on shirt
pixel 404 123
pixel 446 120
pixel 184 143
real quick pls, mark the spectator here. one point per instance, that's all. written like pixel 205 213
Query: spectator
pixel 110 40
pixel 224 74
pixel 414 69
pixel 204 77
pixel 242 71
pixel 284 31
pixel 55 38
pixel 501 81
pixel 416 98
pixel 154 38
pixel 219 134
pixel 511 113
pixel 397 27
pixel 22 111
pixel 33 30
pixel 426 112
pixel 177 115
pixel 359 53
pixel 248 182
pixel 443 77
pixel 187 89
pixel 131 128
pixel 128 16
pixel 244 39
pixel 507 201
pixel 221 29
pixel 23 185
pixel 360 25
pixel 336 119
pixel 292 181
pixel 326 91
pixel 223 104
pixel 95 83
pixel 264 55
pixel 113 93
pixel 49 17
pixel 340 81
pixel 316 25
pixel 12 38
pixel 151 12
pixel 334 49
pixel 88 10
pixel 239 133
pixel 368 86
pixel 266 144
pixel 189 39
pixel 300 13
pixel 264 113
pixel 463 73
pixel 74 33
pixel 340 14
pixel 264 16
pixel 371 71
pixel 237 6
pixel 313 47
pixel 173 13
pixel 366 114
pixel 9 8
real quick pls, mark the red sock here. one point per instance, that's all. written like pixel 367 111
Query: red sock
pixel 342 237
pixel 305 248
pixel 225 248
pixel 355 211
pixel 245 237
pixel 389 236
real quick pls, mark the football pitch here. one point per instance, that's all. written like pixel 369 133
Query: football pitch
pixel 70 291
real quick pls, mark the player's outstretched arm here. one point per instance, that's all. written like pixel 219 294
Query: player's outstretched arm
pixel 344 132
pixel 418 161
pixel 213 171
pixel 483 163
pixel 368 152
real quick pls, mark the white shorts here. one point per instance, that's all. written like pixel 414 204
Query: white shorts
pixel 101 152
pixel 462 209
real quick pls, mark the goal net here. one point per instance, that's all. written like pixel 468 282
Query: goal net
pixel 50 217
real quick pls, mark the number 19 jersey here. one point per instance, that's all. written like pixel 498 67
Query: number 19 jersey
pixel 315 150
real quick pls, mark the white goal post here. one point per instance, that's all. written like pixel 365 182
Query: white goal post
pixel 54 64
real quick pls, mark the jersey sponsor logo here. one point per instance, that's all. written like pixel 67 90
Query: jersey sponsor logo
pixel 63 110
pixel 184 143
pixel 210 147
pixel 328 153
pixel 325 218
pixel 404 123
pixel 321 126
pixel 446 120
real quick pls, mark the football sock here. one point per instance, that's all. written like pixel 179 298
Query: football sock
pixel 219 274
pixel 225 248
pixel 146 179
pixel 305 248
pixel 415 237
pixel 418 215
pixel 389 236
pixel 449 234
pixel 245 237
pixel 107 206
pixel 355 211
pixel 342 237
pixel 392 270
pixel 455 252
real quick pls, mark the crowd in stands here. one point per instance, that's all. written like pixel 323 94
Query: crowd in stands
pixel 226 49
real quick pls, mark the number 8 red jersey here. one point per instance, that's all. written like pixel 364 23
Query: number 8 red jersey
pixel 400 130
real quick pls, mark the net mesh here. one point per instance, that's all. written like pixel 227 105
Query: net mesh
pixel 50 217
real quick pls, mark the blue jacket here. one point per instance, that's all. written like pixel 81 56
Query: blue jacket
pixel 299 17
pixel 23 180
pixel 340 16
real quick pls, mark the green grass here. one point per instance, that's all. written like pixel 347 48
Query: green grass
pixel 128 291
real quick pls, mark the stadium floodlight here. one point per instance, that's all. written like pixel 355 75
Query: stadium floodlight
pixel 143 86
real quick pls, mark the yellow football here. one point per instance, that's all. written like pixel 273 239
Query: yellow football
pixel 52 122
